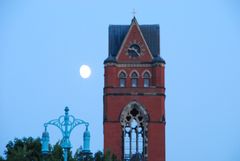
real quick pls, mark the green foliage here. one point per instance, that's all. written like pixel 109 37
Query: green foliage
pixel 29 149
pixel 81 156
pixel 98 156
pixel 109 157
pixel 56 153
pixel 1 158
pixel 26 149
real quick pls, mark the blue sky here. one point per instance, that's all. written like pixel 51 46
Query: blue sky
pixel 43 43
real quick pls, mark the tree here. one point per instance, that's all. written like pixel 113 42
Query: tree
pixel 29 149
pixel 98 156
pixel 108 156
pixel 81 155
pixel 55 154
pixel 26 149
pixel 1 158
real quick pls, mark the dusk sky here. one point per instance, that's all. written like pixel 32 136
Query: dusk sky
pixel 43 43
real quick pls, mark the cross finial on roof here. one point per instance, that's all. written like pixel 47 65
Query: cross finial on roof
pixel 134 12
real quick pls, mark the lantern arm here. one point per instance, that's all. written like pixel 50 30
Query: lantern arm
pixel 56 122
pixel 77 122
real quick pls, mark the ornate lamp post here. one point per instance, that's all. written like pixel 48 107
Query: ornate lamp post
pixel 66 123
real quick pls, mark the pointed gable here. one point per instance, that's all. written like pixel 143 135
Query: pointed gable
pixel 117 34
pixel 135 38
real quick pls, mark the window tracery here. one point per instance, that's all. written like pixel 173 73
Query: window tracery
pixel 134 121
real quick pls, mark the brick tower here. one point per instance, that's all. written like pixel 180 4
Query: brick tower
pixel 134 93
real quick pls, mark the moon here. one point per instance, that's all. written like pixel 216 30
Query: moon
pixel 85 71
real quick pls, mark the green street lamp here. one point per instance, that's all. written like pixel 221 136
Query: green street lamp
pixel 65 123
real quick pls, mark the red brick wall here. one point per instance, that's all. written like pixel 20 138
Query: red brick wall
pixel 112 133
pixel 154 105
pixel 156 142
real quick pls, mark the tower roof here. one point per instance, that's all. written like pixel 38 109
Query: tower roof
pixel 117 34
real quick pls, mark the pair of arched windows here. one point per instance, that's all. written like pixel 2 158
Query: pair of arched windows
pixel 134 79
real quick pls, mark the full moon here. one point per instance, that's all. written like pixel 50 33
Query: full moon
pixel 85 71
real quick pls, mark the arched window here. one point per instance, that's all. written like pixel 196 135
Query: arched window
pixel 122 79
pixel 134 79
pixel 146 79
pixel 134 121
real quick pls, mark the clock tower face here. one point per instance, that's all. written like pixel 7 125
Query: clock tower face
pixel 134 50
